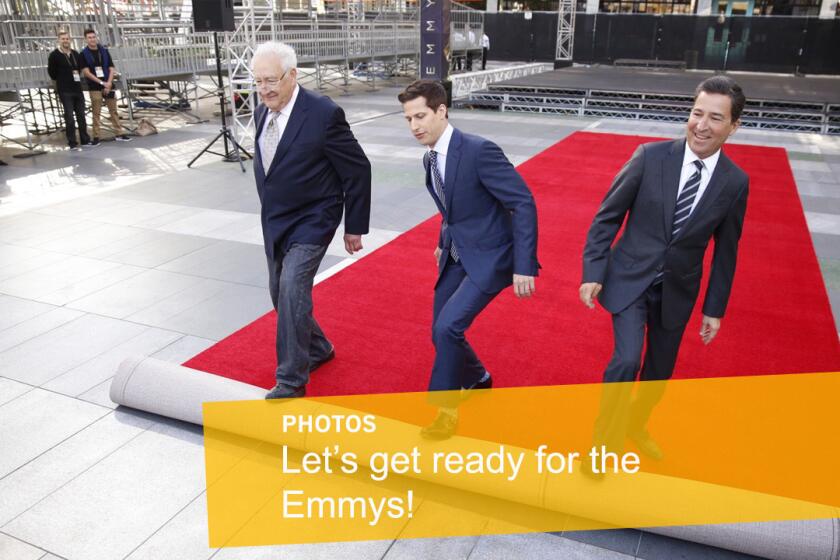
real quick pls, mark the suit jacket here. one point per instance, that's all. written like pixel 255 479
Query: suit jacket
pixel 318 171
pixel 489 212
pixel 645 191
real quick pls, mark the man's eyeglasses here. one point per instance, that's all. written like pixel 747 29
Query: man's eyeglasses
pixel 269 83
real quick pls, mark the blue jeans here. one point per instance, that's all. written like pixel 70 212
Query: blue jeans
pixel 300 341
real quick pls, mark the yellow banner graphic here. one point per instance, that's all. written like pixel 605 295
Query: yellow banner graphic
pixel 572 457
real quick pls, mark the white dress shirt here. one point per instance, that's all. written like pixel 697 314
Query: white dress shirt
pixel 688 169
pixel 281 120
pixel 442 147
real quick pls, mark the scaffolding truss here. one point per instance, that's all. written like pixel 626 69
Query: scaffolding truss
pixel 565 30
pixel 464 84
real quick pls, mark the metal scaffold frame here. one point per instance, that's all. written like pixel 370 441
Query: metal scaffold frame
pixel 331 53
pixel 255 25
pixel 338 42
pixel 565 31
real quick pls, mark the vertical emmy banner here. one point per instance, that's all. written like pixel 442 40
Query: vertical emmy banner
pixel 434 39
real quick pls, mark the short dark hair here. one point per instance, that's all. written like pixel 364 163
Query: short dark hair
pixel 724 85
pixel 89 31
pixel 431 90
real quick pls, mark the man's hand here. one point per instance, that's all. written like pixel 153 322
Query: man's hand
pixel 106 89
pixel 523 286
pixel 588 292
pixel 438 252
pixel 709 329
pixel 352 243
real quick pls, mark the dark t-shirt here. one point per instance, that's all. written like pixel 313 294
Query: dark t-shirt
pixel 60 67
pixel 97 56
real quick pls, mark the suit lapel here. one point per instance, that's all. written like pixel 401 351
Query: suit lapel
pixel 671 167
pixel 296 120
pixel 453 158
pixel 259 171
pixel 713 190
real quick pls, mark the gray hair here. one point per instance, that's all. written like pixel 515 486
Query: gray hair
pixel 284 52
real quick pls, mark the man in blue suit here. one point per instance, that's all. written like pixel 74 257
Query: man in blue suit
pixel 309 169
pixel 488 241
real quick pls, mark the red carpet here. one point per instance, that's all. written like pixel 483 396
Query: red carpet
pixel 378 311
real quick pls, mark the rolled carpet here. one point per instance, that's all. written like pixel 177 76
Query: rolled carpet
pixel 179 392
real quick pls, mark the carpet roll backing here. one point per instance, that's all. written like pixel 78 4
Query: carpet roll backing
pixel 178 392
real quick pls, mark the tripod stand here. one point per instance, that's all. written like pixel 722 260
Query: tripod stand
pixel 224 133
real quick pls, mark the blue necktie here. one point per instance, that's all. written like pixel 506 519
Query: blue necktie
pixel 437 183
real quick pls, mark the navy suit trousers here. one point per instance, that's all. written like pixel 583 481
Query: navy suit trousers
pixel 458 301
pixel 620 412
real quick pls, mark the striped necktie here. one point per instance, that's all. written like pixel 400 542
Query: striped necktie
pixel 685 202
pixel 437 183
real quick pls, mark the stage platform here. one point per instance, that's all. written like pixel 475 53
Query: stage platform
pixel 775 102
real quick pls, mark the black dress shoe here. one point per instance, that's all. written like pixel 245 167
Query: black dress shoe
pixel 647 445
pixel 467 392
pixel 486 384
pixel 443 427
pixel 319 363
pixel 284 392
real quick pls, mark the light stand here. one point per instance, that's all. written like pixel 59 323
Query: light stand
pixel 224 133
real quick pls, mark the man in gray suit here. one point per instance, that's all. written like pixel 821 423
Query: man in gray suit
pixel 675 196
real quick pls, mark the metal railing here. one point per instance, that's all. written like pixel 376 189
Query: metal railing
pixel 152 55
pixel 466 28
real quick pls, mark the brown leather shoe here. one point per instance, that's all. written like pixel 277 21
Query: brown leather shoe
pixel 443 427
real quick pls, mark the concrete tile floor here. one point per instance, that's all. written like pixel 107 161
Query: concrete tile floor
pixel 122 250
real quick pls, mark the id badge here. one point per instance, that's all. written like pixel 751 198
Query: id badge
pixel 76 77
pixel 99 73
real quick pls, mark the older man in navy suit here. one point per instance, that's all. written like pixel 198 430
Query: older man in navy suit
pixel 309 170
pixel 488 240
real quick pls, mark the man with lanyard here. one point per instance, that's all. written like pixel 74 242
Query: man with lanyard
pixel 63 66
pixel 98 68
